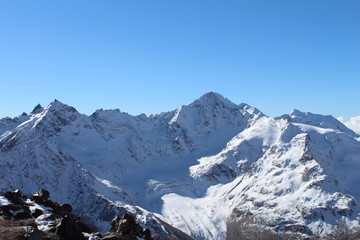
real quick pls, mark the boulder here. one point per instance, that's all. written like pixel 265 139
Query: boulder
pixel 15 197
pixel 8 209
pixel 51 204
pixel 22 215
pixel 51 221
pixel 37 212
pixel 41 196
pixel 69 229
pixel 126 226
pixel 66 207
pixel 147 234
pixel 86 227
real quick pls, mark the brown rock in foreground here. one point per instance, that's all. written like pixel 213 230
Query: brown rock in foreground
pixel 22 219
pixel 23 229
pixel 126 227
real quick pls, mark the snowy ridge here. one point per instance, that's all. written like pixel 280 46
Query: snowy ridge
pixel 203 168
pixel 291 176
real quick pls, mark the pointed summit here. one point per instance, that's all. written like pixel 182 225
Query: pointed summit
pixel 56 105
pixel 212 95
pixel 296 112
pixel 212 113
pixel 212 98
pixel 37 109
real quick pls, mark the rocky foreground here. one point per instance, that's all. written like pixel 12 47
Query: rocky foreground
pixel 38 217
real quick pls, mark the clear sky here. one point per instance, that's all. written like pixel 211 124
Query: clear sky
pixel 147 56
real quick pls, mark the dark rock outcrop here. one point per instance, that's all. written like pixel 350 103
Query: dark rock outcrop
pixel 22 218
pixel 37 109
pixel 69 229
pixel 15 197
pixel 39 218
pixel 41 196
pixel 25 229
pixel 126 227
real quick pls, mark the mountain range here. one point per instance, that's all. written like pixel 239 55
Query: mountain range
pixel 212 169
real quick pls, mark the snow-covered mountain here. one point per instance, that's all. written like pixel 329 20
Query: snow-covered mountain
pixel 209 168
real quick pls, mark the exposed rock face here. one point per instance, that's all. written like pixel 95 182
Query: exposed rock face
pixel 37 109
pixel 69 229
pixel 125 227
pixel 40 217
pixel 25 230
pixel 41 196
pixel 28 218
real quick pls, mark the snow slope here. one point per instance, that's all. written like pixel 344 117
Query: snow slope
pixel 292 176
pixel 200 168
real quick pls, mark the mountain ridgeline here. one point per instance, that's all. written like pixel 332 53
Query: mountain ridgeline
pixel 212 169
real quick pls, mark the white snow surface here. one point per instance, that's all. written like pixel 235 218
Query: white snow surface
pixel 196 168
pixel 4 201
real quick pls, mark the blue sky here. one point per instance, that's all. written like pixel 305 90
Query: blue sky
pixel 151 56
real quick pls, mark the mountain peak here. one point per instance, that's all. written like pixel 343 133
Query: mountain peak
pixel 57 105
pixel 37 109
pixel 296 112
pixel 318 120
pixel 212 95
pixel 212 98
pixel 299 175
